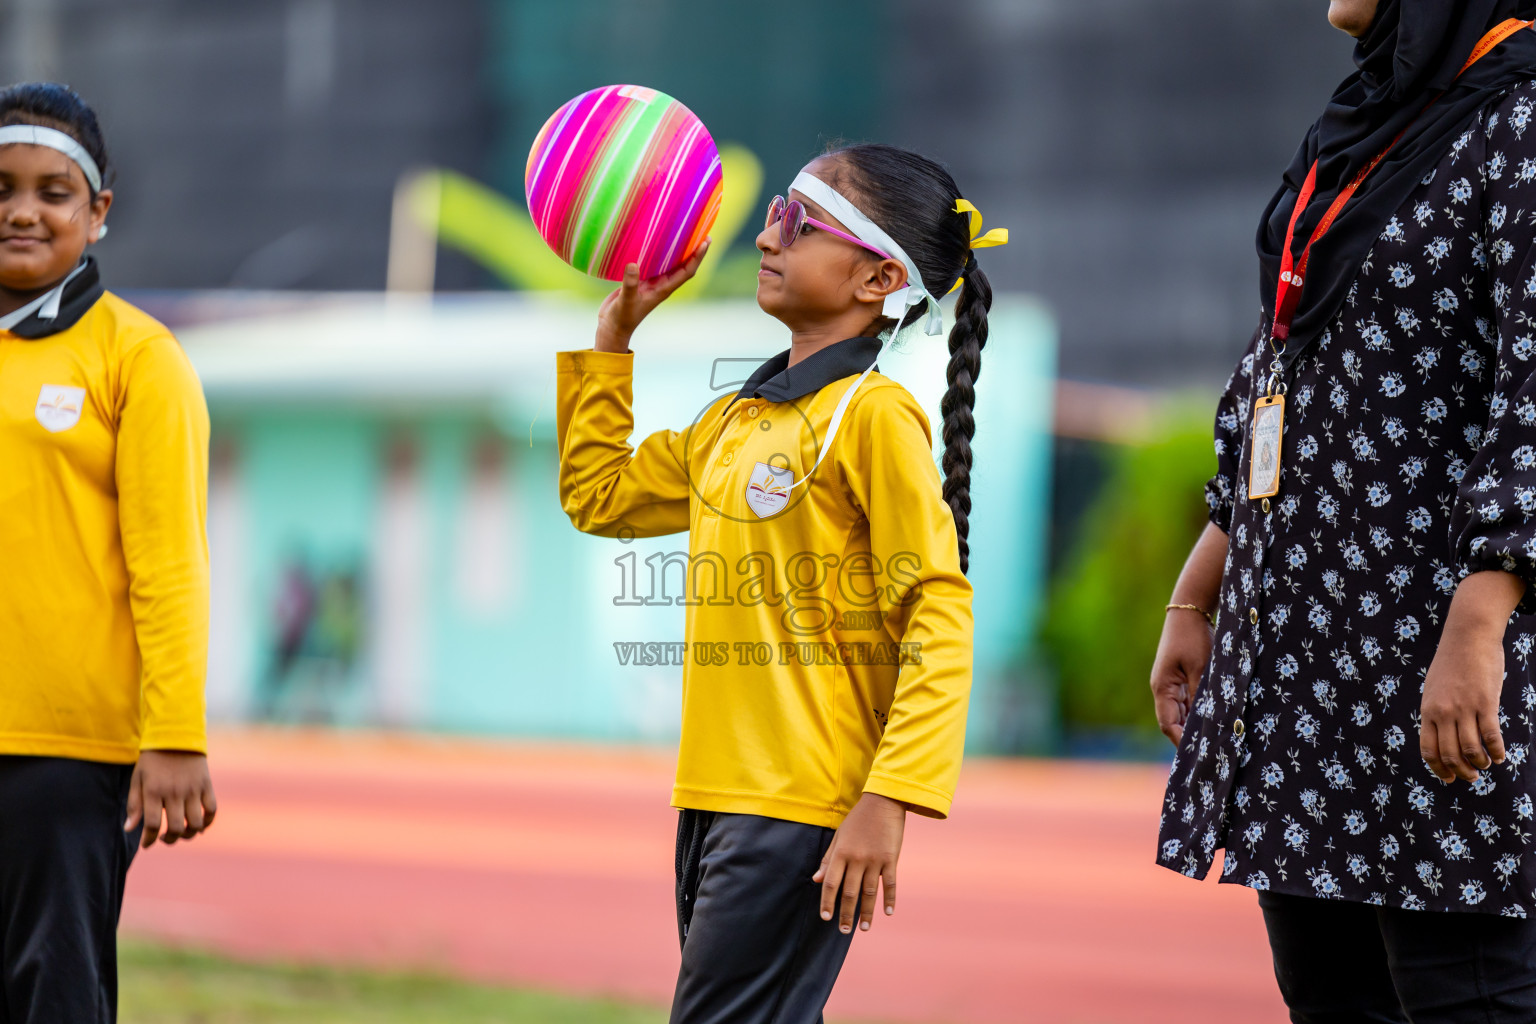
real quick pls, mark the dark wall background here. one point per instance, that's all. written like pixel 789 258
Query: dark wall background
pixel 257 143
pixel 1129 144
pixel 779 78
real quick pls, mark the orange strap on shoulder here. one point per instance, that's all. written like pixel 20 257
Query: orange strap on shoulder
pixel 1293 272
pixel 1496 35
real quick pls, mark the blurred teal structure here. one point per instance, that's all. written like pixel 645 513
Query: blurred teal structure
pixel 388 543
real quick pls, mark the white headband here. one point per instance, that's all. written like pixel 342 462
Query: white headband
pixel 37 135
pixel 861 227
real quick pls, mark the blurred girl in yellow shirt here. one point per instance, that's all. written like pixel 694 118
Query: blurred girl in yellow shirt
pixel 103 574
pixel 828 669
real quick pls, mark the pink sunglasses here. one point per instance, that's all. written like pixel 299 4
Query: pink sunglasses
pixel 792 220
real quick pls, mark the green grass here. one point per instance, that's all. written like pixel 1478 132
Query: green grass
pixel 165 986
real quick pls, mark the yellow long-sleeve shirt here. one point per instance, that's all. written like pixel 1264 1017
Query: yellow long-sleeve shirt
pixel 829 631
pixel 103 549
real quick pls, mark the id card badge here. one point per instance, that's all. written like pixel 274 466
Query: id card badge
pixel 1264 452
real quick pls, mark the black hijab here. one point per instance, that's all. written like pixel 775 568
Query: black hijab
pixel 1410 54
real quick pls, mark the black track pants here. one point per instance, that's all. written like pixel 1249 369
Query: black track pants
pixel 63 860
pixel 755 949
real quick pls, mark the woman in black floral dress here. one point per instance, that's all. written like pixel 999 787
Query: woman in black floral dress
pixel 1359 742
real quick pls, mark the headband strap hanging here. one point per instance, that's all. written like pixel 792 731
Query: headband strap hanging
pixel 37 135
pixel 896 303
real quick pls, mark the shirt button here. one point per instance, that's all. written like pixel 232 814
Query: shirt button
pixel 1253 616
pixel 729 458
pixel 752 411
pixel 1237 727
pixel 1264 504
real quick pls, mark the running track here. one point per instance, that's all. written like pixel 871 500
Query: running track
pixel 550 867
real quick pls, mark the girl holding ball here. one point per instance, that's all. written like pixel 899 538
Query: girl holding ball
pixel 795 778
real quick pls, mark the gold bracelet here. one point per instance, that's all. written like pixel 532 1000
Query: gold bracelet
pixel 1192 608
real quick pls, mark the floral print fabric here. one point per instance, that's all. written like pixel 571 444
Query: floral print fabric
pixel 1408 461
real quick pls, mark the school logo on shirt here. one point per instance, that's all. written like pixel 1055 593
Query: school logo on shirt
pixel 58 407
pixel 768 489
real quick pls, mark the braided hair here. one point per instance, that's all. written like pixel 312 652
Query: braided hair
pixel 913 199
pixel 50 105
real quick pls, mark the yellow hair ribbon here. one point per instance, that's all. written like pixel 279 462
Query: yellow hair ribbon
pixel 997 236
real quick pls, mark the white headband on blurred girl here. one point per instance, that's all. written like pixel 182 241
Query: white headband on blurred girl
pixel 37 135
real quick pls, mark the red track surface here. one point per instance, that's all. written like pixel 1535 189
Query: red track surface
pixel 552 867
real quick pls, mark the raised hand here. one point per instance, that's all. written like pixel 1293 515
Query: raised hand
pixel 634 299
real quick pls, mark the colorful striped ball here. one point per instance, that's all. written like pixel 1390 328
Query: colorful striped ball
pixel 623 175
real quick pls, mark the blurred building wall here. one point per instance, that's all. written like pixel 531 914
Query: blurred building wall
pixel 389 548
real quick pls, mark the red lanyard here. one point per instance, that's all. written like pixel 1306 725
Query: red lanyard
pixel 1292 272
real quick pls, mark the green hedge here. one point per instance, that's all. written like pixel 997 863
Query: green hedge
pixel 1105 609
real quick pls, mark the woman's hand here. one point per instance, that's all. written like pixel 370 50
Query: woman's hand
pixel 864 851
pixel 1185 647
pixel 634 299
pixel 1459 718
pixel 173 788
pixel 1182 654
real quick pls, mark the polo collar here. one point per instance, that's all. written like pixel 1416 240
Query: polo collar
pixel 60 308
pixel 777 381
